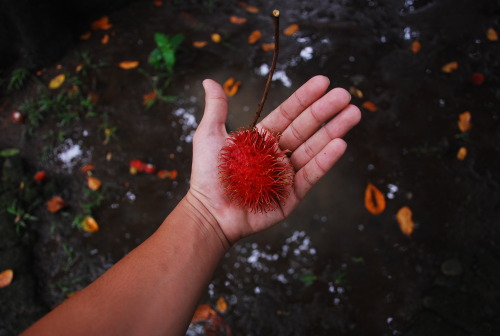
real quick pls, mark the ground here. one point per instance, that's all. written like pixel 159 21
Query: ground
pixel 333 267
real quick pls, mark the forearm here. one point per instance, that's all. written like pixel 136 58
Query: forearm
pixel 154 289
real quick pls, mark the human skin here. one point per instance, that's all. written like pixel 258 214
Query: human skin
pixel 154 290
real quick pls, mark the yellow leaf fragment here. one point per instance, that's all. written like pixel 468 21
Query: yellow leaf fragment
pixel 252 9
pixel 491 34
pixel 368 105
pixel 221 304
pixel 405 221
pixel 356 92
pixel 89 224
pixel 6 278
pixel 216 37
pixel 93 183
pixel 267 46
pixel 462 153
pixel 231 86
pixel 199 44
pixel 464 123
pixel 203 313
pixel 57 81
pixel 126 65
pixel 254 36
pixel 374 200
pixel 450 67
pixel 415 47
pixel 237 20
pixel 105 39
pixel 291 29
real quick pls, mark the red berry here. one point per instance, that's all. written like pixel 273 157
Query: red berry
pixel 149 168
pixel 138 164
pixel 16 117
pixel 40 176
pixel 254 171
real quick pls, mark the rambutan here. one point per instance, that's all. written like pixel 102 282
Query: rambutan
pixel 254 171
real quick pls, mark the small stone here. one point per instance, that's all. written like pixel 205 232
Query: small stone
pixel 451 267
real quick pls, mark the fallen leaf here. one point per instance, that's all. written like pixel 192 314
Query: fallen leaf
pixel 477 78
pixel 291 29
pixel 87 168
pixel 55 204
pixel 237 20
pixel 216 37
pixel 93 183
pixel 85 36
pixel 464 123
pixel 491 34
pixel 203 313
pixel 251 9
pixel 57 81
pixel 173 174
pixel 199 44
pixel 40 176
pixel 6 278
pixel 254 36
pixel 231 86
pixel 148 98
pixel 374 200
pixel 267 46
pixel 221 304
pixel 89 224
pixel 405 221
pixel 109 155
pixel 128 65
pixel 356 92
pixel 158 3
pixel 163 174
pixel 105 39
pixel 450 67
pixel 462 153
pixel 102 23
pixel 369 106
pixel 40 72
pixel 415 47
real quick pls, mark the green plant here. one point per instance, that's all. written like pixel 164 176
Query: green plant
pixel 22 216
pixel 163 57
pixel 18 78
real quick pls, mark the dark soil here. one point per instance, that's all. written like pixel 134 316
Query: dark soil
pixel 332 267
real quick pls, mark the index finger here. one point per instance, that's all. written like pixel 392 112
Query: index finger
pixel 279 119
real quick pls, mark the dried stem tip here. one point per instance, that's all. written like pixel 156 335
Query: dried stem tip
pixel 276 13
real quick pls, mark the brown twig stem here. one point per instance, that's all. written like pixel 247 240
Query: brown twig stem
pixel 276 17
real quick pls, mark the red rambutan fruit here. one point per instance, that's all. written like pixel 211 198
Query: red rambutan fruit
pixel 254 170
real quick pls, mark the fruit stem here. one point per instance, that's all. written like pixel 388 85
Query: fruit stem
pixel 276 17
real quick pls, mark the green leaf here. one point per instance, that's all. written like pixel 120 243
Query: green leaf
pixel 9 152
pixel 176 40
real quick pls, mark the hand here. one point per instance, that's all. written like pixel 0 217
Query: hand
pixel 315 149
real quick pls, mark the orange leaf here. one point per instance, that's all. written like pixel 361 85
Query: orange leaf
pixel 237 20
pixel 128 65
pixel 89 225
pixel 102 23
pixel 231 86
pixel 203 313
pixel 462 153
pixel 267 46
pixel 491 34
pixel 464 123
pixel 163 174
pixel 291 29
pixel 216 37
pixel 374 200
pixel 405 221
pixel 55 204
pixel 148 97
pixel 199 44
pixel 370 106
pixel 415 47
pixel 57 81
pixel 252 9
pixel 93 183
pixel 87 168
pixel 85 36
pixel 254 36
pixel 173 174
pixel 105 39
pixel 356 92
pixel 221 304
pixel 6 278
pixel 450 67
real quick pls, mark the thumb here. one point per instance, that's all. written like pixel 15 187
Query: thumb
pixel 215 105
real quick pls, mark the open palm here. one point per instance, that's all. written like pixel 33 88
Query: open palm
pixel 300 119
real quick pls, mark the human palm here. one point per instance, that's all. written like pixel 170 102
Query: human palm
pixel 300 120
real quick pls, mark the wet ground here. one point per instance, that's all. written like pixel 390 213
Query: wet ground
pixel 332 267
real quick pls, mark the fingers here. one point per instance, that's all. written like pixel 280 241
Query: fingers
pixel 335 128
pixel 313 117
pixel 279 119
pixel 215 114
pixel 316 168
